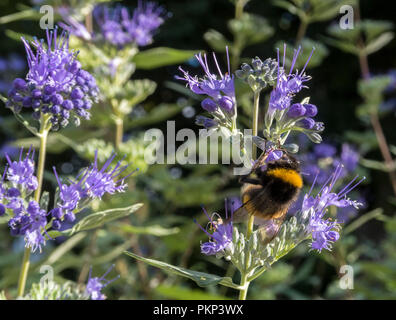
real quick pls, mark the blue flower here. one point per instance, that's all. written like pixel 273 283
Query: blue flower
pixel 211 85
pixel 288 84
pixel 30 222
pixel 324 231
pixel 98 182
pixel 91 183
pixel 221 238
pixel 117 27
pixel 21 172
pixel 323 160
pixel 55 84
pixel 220 89
pixel 349 157
pixel 146 19
pixel 96 285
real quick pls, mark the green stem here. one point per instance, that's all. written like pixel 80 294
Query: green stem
pixel 45 126
pixel 119 132
pixel 302 29
pixel 255 120
pixel 238 40
pixel 245 275
pixel 239 8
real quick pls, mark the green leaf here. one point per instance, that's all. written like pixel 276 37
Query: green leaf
pixel 379 42
pixel 159 57
pixel 26 123
pixel 392 149
pixel 44 200
pixel 288 6
pixel 65 247
pixel 97 219
pixel 155 230
pixel 216 40
pixel 374 214
pixel 21 15
pixel 134 92
pixel 377 165
pixel 201 278
pixel 159 113
pixel 251 28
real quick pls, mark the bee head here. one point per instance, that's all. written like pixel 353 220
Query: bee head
pixel 286 161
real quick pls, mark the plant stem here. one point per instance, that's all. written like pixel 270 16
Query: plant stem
pixel 45 126
pixel 239 8
pixel 119 132
pixel 302 30
pixel 255 120
pixel 238 44
pixel 376 124
pixel 245 275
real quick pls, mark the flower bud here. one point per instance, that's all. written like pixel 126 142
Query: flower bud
pixel 56 224
pixel 77 93
pixel 311 110
pixel 27 102
pixel 319 126
pixel 307 123
pixel 56 109
pixel 36 93
pixel 67 104
pixel 48 90
pixel 57 99
pixel 292 147
pixel 226 104
pixel 57 213
pixel 19 84
pixel 206 122
pixel 209 105
pixel 296 110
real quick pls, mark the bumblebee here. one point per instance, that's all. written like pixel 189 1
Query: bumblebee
pixel 268 191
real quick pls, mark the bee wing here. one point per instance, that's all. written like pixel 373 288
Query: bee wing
pixel 258 197
pixel 269 228
pixel 260 142
pixel 240 215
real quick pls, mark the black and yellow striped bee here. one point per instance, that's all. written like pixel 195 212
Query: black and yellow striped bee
pixel 268 191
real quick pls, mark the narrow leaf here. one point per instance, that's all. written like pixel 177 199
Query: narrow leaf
pixel 201 278
pixel 159 57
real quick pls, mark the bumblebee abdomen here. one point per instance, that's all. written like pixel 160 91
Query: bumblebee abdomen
pixel 287 176
pixel 282 192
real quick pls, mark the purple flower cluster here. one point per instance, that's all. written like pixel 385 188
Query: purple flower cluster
pixel 92 183
pixel 221 103
pixel 118 28
pixel 21 173
pixel 28 219
pixel 288 85
pixel 55 84
pixel 95 285
pixel 325 231
pixel 323 160
pixel 221 237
